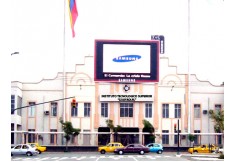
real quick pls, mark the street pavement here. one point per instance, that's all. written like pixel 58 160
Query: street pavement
pixel 96 156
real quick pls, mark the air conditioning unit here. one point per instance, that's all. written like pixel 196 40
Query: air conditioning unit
pixel 46 112
pixel 204 111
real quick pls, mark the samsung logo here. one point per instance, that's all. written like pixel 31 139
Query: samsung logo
pixel 126 58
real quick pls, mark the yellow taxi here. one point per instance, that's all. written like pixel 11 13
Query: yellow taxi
pixel 39 148
pixel 110 147
pixel 202 149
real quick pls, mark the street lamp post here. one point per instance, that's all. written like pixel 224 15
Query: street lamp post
pixel 178 138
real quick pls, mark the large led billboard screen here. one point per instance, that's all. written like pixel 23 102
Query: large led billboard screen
pixel 126 61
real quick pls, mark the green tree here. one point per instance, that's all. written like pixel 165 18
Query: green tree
pixel 114 129
pixel 148 127
pixel 218 118
pixel 191 138
pixel 69 131
pixel 110 124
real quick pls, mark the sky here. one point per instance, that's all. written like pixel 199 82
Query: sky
pixel 44 39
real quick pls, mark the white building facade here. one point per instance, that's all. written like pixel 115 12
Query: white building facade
pixel 175 97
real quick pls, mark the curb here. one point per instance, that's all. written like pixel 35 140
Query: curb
pixel 202 155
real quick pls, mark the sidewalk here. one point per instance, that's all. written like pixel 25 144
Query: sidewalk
pixel 203 156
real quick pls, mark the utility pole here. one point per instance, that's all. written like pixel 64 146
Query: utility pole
pixel 178 138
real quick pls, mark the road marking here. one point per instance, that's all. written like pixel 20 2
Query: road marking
pixel 102 156
pixel 63 158
pixel 45 158
pixel 140 156
pixel 134 158
pixel 207 159
pixel 81 158
pixel 17 159
pixel 99 158
pixel 111 156
pixel 73 157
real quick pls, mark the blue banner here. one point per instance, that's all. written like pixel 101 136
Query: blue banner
pixel 161 38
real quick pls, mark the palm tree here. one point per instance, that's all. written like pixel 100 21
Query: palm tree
pixel 69 131
pixel 191 138
pixel 114 129
pixel 218 118
pixel 148 127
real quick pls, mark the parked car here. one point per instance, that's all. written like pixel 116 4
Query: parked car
pixel 110 147
pixel 155 147
pixel 23 149
pixel 38 147
pixel 132 148
pixel 220 150
pixel 203 149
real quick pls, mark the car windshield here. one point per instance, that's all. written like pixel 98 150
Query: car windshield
pixel 18 147
pixel 109 145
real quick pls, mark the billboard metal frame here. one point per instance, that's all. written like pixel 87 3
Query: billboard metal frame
pixel 126 77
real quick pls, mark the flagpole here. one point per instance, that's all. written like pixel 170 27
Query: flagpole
pixel 189 94
pixel 64 57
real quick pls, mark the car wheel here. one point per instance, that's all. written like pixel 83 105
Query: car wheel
pixel 103 152
pixel 39 151
pixel 120 152
pixel 195 151
pixel 29 154
pixel 141 152
pixel 159 152
pixel 11 154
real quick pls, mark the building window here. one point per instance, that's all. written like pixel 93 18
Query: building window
pixel 196 139
pixel 165 110
pixel 148 110
pixel 19 104
pixel 87 109
pixel 219 139
pixel 12 134
pixel 31 109
pixel 53 108
pixel 12 104
pixel 196 110
pixel 104 109
pixel 74 110
pixel 126 109
pixel 176 136
pixel 53 137
pixel 177 110
pixel 217 108
pixel 31 136
pixel 165 137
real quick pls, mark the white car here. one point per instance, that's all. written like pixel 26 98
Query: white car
pixel 221 150
pixel 23 149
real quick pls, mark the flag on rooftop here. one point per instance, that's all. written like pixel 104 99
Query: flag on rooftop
pixel 73 14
